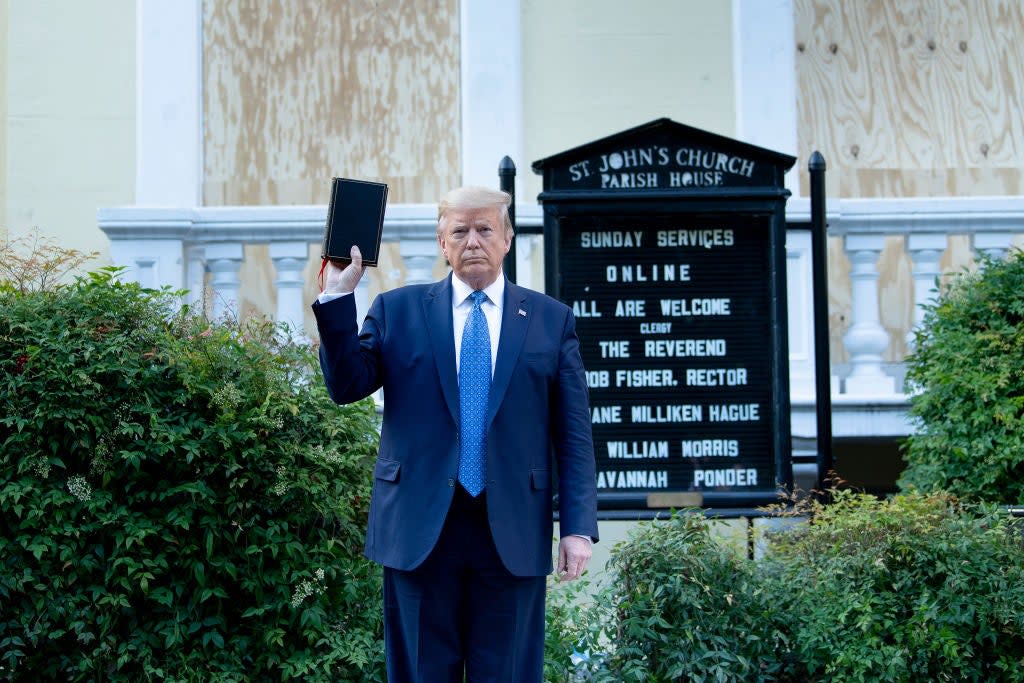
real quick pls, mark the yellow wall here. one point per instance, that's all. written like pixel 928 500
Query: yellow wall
pixel 70 116
pixel 592 68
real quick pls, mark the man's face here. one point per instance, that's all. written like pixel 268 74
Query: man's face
pixel 474 242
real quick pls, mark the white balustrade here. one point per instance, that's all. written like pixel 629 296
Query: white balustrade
pixel 925 251
pixel 995 245
pixel 414 227
pixel 180 247
pixel 866 339
pixel 148 243
pixel 195 275
pixel 224 259
pixel 289 260
pixel 926 225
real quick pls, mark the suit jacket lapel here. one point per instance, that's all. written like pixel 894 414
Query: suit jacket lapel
pixel 437 308
pixel 515 320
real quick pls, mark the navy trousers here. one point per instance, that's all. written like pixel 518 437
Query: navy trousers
pixel 461 616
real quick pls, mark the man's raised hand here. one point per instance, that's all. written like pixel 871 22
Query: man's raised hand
pixel 344 281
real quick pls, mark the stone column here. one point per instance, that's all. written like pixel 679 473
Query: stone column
pixel 289 261
pixel 224 260
pixel 925 251
pixel 993 244
pixel 419 253
pixel 866 340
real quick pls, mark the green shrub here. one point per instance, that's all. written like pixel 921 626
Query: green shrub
pixel 680 606
pixel 967 379
pixel 916 588
pixel 576 639
pixel 178 500
pixel 690 608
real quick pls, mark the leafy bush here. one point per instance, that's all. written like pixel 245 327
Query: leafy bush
pixel 178 500
pixel 917 588
pixel 690 608
pixel 680 606
pixel 967 373
pixel 576 638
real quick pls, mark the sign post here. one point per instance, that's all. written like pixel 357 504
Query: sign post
pixel 669 244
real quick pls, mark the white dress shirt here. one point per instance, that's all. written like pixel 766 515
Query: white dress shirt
pixel 462 305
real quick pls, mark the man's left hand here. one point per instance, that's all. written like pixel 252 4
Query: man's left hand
pixel 573 554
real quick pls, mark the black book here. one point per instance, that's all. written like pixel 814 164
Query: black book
pixel 354 216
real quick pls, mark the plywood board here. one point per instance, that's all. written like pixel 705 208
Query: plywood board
pixel 296 92
pixel 912 97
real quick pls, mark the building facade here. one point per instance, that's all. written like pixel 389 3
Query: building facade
pixel 194 141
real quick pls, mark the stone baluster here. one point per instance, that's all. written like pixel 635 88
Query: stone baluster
pixel 993 244
pixel 866 340
pixel 925 251
pixel 195 276
pixel 419 252
pixel 289 261
pixel 224 260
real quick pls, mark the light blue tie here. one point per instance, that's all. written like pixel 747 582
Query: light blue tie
pixel 474 388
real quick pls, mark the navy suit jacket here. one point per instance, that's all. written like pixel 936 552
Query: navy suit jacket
pixel 538 417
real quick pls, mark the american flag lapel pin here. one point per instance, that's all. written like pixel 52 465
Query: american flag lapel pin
pixel 521 312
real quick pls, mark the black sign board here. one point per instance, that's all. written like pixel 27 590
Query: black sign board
pixel 669 244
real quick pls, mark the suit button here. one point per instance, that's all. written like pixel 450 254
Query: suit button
pixel 451 482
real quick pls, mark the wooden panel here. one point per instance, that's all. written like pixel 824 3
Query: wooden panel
pixel 912 97
pixel 296 92
pixel 895 296
pixel 909 98
pixel 840 299
pixel 958 258
pixel 257 295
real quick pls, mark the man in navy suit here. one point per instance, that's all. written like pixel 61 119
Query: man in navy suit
pixel 461 513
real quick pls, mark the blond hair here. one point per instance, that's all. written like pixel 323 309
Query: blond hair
pixel 475 197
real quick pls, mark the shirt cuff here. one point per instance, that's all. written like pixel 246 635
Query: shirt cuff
pixel 330 296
